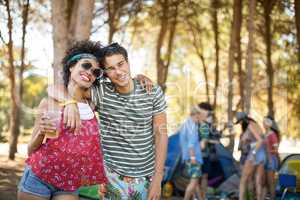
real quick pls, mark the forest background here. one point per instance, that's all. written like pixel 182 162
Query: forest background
pixel 239 55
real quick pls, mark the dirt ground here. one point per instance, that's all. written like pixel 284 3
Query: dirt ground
pixel 10 174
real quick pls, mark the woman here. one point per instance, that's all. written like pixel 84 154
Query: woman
pixel 58 167
pixel 272 140
pixel 251 144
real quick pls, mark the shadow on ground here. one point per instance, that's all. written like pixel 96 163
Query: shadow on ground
pixel 10 174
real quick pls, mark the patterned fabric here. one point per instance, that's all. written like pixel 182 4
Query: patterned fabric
pixel 125 188
pixel 192 170
pixel 70 161
pixel 126 123
pixel 204 134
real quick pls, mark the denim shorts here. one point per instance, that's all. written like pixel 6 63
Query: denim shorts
pixel 33 185
pixel 259 158
pixel 272 163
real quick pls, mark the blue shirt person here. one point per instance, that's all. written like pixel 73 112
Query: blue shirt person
pixel 189 139
pixel 191 153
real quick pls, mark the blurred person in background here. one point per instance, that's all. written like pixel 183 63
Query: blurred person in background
pixel 204 133
pixel 254 157
pixel 191 153
pixel 272 140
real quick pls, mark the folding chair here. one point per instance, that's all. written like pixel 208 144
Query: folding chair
pixel 287 181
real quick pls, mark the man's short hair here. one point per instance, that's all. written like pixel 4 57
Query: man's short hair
pixel 113 49
pixel 205 106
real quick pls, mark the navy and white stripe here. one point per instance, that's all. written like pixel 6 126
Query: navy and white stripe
pixel 126 124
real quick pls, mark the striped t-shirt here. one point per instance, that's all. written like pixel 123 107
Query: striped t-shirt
pixel 126 124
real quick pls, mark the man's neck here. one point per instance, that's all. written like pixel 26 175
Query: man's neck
pixel 126 89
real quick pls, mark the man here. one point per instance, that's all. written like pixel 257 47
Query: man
pixel 204 130
pixel 191 153
pixel 133 129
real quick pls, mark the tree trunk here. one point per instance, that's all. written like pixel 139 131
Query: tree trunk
pixel 59 14
pixel 113 10
pixel 215 5
pixel 297 18
pixel 268 7
pixel 233 48
pixel 167 24
pixel 202 59
pixel 250 49
pixel 72 21
pixel 22 67
pixel 14 122
pixel 163 31
pixel 238 58
pixel 81 20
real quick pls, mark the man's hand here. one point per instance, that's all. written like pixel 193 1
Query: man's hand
pixel 72 118
pixel 146 82
pixel 154 192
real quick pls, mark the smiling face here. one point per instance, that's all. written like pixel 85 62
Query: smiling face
pixel 82 73
pixel 117 70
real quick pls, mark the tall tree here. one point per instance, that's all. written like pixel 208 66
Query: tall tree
pixel 215 23
pixel 16 87
pixel 268 6
pixel 194 26
pixel 238 57
pixel 168 23
pixel 297 19
pixel 117 9
pixel 250 49
pixel 71 20
pixel 14 126
pixel 233 49
pixel 22 67
pixel 197 43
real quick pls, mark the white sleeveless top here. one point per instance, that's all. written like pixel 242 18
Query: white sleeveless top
pixel 85 111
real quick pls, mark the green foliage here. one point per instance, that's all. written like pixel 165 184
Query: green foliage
pixel 34 91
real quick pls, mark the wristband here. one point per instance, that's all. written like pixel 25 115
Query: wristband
pixel 193 157
pixel 67 102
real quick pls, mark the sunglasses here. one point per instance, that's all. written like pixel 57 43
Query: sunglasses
pixel 96 72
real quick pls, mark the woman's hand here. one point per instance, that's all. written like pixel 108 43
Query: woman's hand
pixel 47 124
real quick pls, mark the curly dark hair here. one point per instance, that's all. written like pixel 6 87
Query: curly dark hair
pixel 85 46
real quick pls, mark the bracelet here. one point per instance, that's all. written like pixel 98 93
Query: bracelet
pixel 67 102
pixel 193 157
